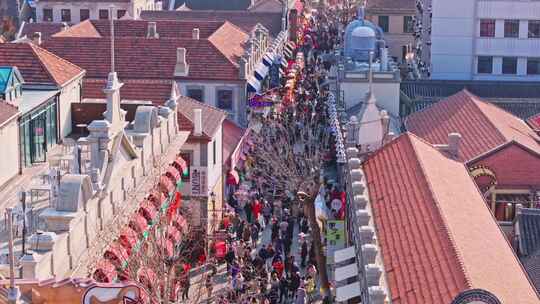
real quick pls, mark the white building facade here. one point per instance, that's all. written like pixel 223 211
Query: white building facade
pixel 482 39
pixel 73 12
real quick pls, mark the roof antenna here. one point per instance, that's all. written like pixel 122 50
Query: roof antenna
pixel 112 38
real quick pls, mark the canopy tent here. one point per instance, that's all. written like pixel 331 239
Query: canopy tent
pixel 128 239
pixel 344 254
pixel 268 58
pixel 181 165
pixel 147 277
pixel 166 185
pixel 345 272
pixel 174 234
pixel 138 223
pixel 105 272
pixel 348 292
pixel 116 254
pixel 173 173
pixel 253 85
pixel 157 198
pixel 261 70
pixel 148 211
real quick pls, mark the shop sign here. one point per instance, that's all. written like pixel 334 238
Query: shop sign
pixel 199 181
pixel 335 233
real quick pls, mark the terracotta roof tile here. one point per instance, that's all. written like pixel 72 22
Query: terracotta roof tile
pixel 437 236
pixel 230 41
pixel 141 58
pixel 534 122
pixel 212 117
pixel 83 29
pixel 7 112
pixel 38 65
pixel 46 29
pixel 156 91
pixel 483 126
pixel 244 19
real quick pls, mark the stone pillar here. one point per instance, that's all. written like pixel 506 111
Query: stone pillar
pixel 29 266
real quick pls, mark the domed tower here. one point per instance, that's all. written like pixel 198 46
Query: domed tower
pixel 362 29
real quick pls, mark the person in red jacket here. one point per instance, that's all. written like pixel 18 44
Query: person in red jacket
pixel 278 267
pixel 256 209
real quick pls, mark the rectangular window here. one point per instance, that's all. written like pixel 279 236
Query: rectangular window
pixel 384 22
pixel 47 15
pixel 65 15
pixel 195 93
pixel 487 28
pixel 533 66
pixel 511 28
pixel 214 155
pixel 509 65
pixel 485 65
pixel 103 14
pixel 408 26
pixel 85 14
pixel 534 29
pixel 120 13
pixel 225 99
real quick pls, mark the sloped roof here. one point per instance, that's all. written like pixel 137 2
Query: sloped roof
pixel 139 28
pixel 156 91
pixel 534 122
pixel 483 126
pixel 244 19
pixel 46 29
pixel 212 117
pixel 232 135
pixel 437 236
pixel 141 58
pixel 230 41
pixel 390 5
pixel 37 65
pixel 7 112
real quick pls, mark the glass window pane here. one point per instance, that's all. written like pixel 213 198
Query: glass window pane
pixel 384 22
pixel 487 28
pixel 509 65
pixel 485 65
pixel 408 26
pixel 534 28
pixel 85 14
pixel 224 99
pixel 511 28
pixel 533 66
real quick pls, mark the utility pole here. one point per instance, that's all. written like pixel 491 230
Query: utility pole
pixel 13 293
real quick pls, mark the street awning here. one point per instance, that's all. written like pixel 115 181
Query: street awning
pixel 268 59
pixel 348 292
pixel 345 272
pixel 344 254
pixel 232 177
pixel 174 234
pixel 147 277
pixel 156 198
pixel 116 254
pixel 253 85
pixel 148 211
pixel 166 185
pixel 173 173
pixel 180 164
pixel 261 70
pixel 105 272
pixel 128 239
pixel 138 223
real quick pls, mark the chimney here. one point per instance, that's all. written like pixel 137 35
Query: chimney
pixel 369 253
pixel 373 274
pixel 243 70
pixel 454 140
pixel 367 234
pixel 197 122
pixel 65 26
pixel 363 217
pixel 196 34
pixel 376 295
pixel 152 30
pixel 182 68
pixel 36 38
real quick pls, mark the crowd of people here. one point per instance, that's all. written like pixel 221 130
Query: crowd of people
pixel 270 257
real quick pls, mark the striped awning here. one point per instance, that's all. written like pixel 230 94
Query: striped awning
pixel 344 254
pixel 268 59
pixel 261 71
pixel 345 272
pixel 253 85
pixel 348 292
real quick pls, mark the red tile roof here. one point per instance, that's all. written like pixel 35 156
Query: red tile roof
pixel 534 122
pixel 7 112
pixel 156 91
pixel 46 29
pixel 232 135
pixel 244 19
pixel 436 234
pixel 141 58
pixel 83 29
pixel 212 117
pixel 165 28
pixel 390 5
pixel 230 41
pixel 37 65
pixel 483 126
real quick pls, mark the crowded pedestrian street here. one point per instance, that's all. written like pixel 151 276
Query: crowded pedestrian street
pixel 269 254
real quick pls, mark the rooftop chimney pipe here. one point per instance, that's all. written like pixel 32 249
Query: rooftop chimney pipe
pixel 152 30
pixel 197 122
pixel 196 34
pixel 36 38
pixel 182 68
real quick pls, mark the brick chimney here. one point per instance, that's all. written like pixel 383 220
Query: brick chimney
pixel 36 38
pixel 152 30
pixel 182 68
pixel 196 34
pixel 454 140
pixel 197 122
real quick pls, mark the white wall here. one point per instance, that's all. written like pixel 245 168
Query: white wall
pixel 452 32
pixel 9 153
pixel 215 171
pixel 69 94
pixel 386 93
pixel 210 95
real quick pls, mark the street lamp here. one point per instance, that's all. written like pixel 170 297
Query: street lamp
pixel 22 198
